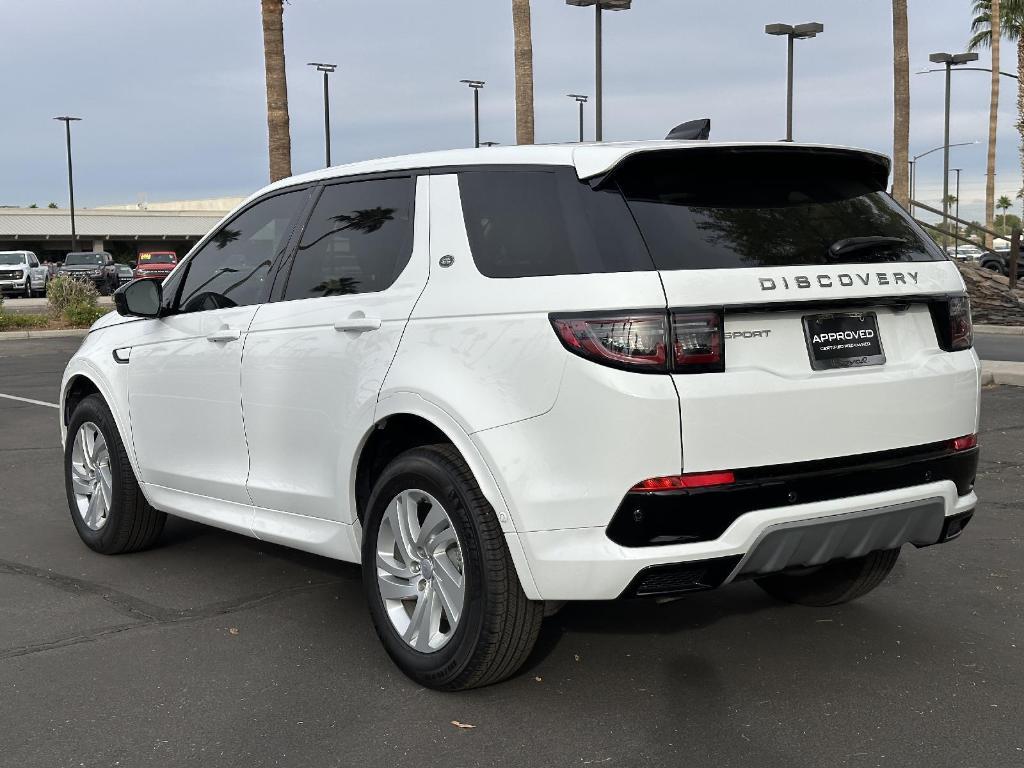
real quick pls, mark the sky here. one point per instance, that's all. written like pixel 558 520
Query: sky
pixel 172 95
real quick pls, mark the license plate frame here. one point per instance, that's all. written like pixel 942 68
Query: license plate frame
pixel 841 340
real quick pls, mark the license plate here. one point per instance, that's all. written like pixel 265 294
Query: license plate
pixel 845 340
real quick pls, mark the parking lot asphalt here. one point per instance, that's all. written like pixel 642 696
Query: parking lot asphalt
pixel 216 649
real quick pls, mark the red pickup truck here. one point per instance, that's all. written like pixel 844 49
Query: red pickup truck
pixel 155 263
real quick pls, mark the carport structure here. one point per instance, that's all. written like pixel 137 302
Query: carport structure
pixel 47 231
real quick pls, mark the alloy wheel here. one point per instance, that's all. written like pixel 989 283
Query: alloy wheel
pixel 91 478
pixel 420 570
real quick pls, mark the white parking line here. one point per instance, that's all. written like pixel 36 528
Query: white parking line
pixel 29 400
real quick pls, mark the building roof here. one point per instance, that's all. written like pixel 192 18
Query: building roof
pixel 42 223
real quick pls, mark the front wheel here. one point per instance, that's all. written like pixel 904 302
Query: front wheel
pixel 439 580
pixel 107 506
pixel 833 583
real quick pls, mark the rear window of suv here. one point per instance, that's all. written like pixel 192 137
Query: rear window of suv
pixel 544 221
pixel 719 208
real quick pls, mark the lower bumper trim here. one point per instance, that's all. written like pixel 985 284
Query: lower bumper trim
pixel 679 578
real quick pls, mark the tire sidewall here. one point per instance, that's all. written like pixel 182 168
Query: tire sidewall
pixel 422 470
pixel 95 410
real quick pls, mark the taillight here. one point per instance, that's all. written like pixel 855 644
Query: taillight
pixel 952 319
pixel 697 342
pixel 680 482
pixel 635 341
pixel 964 443
pixel 647 342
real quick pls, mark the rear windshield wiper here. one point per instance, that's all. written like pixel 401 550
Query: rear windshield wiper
pixel 851 244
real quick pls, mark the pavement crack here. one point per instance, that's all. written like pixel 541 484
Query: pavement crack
pixel 170 617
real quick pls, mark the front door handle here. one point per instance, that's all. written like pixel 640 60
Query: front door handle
pixel 358 324
pixel 225 334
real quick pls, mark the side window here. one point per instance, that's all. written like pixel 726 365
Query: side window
pixel 358 239
pixel 528 223
pixel 231 269
pixel 32 260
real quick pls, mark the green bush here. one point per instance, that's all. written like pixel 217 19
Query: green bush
pixel 74 301
pixel 10 322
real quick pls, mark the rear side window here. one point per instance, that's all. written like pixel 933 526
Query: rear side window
pixel 358 239
pixel 719 208
pixel 528 223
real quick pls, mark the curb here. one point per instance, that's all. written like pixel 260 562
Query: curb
pixel 1002 372
pixel 79 332
pixel 1000 330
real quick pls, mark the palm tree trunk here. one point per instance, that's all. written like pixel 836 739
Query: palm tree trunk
pixel 1020 95
pixel 524 70
pixel 901 104
pixel 279 134
pixel 993 115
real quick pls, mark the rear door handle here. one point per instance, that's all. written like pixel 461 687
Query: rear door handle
pixel 224 334
pixel 358 324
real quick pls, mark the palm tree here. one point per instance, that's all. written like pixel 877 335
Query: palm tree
pixel 1003 205
pixel 1010 25
pixel 279 134
pixel 524 70
pixel 901 104
pixel 994 34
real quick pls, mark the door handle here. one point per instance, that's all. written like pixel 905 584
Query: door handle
pixel 358 324
pixel 224 334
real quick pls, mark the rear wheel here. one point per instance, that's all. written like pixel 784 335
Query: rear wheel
pixel 441 587
pixel 107 506
pixel 834 583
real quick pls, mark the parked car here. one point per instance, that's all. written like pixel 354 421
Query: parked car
pixel 95 267
pixel 964 252
pixel 502 380
pixel 21 273
pixel 999 261
pixel 155 263
pixel 125 274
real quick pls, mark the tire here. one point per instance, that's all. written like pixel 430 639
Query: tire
pixel 833 583
pixel 497 626
pixel 130 523
pixel 992 266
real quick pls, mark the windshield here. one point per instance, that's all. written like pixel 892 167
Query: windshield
pixel 715 208
pixel 77 259
pixel 157 258
pixel 12 258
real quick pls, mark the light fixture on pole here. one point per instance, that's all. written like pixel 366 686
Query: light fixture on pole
pixel 581 100
pixel 476 85
pixel 913 167
pixel 950 60
pixel 793 32
pixel 599 5
pixel 71 178
pixel 326 69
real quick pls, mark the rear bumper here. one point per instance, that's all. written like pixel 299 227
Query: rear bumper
pixel 584 564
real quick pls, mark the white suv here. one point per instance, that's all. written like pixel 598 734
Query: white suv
pixel 502 379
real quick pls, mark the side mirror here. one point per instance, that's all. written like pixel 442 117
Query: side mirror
pixel 139 298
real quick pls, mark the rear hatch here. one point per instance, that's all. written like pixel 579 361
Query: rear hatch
pixel 823 321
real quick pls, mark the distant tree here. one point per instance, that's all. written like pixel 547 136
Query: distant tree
pixel 51 205
pixel 523 42
pixel 901 104
pixel 1003 204
pixel 278 131
pixel 33 206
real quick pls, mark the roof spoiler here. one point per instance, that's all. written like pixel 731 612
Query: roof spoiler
pixel 692 130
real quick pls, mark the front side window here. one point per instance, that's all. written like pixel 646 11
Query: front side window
pixel 358 239
pixel 232 268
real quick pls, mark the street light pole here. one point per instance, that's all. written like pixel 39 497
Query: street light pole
pixel 956 240
pixel 476 85
pixel 797 32
pixel 599 5
pixel 949 60
pixel 71 179
pixel 581 100
pixel 326 69
pixel 913 164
